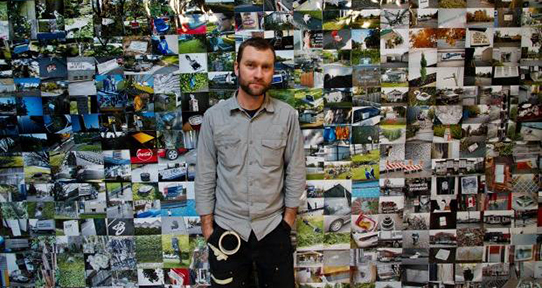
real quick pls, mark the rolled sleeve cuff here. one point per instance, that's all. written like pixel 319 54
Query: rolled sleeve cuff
pixel 205 208
pixel 291 203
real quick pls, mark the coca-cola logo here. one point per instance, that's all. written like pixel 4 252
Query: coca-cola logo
pixel 144 154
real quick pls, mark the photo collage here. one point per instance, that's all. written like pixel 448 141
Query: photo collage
pixel 422 126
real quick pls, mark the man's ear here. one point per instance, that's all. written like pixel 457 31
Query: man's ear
pixel 236 68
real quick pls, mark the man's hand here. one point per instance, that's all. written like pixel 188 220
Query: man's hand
pixel 207 225
pixel 290 215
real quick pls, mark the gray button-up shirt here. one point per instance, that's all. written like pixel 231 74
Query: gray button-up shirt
pixel 249 169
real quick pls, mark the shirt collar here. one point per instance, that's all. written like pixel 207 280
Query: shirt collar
pixel 267 103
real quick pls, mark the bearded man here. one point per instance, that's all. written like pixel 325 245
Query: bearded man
pixel 250 174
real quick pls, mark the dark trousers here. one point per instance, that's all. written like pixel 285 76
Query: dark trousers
pixel 272 257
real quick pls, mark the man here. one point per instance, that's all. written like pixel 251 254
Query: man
pixel 250 175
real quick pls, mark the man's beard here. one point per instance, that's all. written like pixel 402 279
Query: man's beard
pixel 245 85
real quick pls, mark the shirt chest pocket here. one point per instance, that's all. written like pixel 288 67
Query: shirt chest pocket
pixel 272 152
pixel 229 151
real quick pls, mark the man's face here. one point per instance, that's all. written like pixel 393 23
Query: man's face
pixel 224 22
pixel 255 72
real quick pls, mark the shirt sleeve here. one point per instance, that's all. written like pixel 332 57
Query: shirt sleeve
pixel 294 160
pixel 205 182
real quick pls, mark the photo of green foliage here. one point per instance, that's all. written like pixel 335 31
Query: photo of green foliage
pixel 148 248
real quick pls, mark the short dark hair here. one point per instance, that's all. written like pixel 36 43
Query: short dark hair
pixel 258 43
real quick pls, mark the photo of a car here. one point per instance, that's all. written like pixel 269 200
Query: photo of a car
pixel 172 174
pixel 144 190
pixel 195 22
pixel 171 154
pixel 364 240
pixel 89 174
pixel 336 224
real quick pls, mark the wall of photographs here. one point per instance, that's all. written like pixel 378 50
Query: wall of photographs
pixel 422 125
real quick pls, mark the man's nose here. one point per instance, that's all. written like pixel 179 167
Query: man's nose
pixel 258 73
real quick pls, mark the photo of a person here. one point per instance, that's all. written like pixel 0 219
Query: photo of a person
pixel 307 42
pixel 248 21
pixel 224 23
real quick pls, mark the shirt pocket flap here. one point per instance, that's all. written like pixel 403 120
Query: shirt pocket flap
pixel 227 141
pixel 274 143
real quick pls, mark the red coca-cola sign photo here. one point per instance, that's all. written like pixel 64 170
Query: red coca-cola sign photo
pixel 144 156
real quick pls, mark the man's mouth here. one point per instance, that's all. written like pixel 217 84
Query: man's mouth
pixel 248 22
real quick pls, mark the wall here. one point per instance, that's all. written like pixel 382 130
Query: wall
pixel 437 186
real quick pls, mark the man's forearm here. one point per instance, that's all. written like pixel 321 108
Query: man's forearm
pixel 295 178
pixel 206 225
pixel 207 220
pixel 205 182
pixel 290 215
